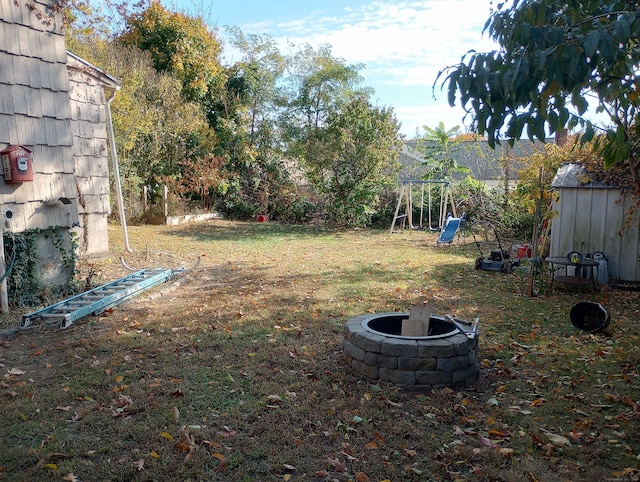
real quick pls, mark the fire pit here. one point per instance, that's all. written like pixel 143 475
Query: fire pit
pixel 447 357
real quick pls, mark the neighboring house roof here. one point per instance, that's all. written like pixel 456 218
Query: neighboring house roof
pixel 476 155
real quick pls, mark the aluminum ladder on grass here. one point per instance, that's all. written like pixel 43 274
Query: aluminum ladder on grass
pixel 99 299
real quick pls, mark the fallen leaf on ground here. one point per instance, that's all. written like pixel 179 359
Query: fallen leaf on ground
pixel 362 477
pixel 557 439
pixel 339 466
pixel 79 415
pixel 627 471
pixel 227 432
pixel 222 466
pixel 187 445
pixel 486 441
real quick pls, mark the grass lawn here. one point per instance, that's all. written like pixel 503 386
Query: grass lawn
pixel 236 374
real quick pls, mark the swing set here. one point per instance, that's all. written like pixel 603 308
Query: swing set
pixel 443 188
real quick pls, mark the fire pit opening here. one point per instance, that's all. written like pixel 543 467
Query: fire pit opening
pixel 446 357
pixel 391 325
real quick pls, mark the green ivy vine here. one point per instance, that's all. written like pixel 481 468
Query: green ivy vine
pixel 24 286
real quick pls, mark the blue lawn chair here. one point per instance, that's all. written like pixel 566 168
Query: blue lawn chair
pixel 451 227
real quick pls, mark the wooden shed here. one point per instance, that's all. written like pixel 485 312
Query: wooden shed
pixel 591 217
pixel 90 89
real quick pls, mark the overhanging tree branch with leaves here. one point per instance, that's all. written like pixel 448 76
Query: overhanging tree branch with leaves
pixel 557 60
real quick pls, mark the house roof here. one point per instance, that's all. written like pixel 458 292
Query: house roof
pixel 476 155
pixel 105 79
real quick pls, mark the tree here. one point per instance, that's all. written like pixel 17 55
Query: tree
pixel 153 140
pixel 179 44
pixel 319 84
pixel 557 59
pixel 246 118
pixel 351 160
pixel 260 69
pixel 438 146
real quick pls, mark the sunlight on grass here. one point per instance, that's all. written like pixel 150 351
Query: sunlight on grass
pixel 238 373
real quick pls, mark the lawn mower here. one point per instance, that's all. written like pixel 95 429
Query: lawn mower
pixel 499 258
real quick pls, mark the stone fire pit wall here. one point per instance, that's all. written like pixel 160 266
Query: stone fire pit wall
pixel 449 360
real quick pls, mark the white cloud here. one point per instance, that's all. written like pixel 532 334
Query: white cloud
pixel 402 44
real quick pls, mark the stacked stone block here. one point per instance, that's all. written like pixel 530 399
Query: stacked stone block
pixel 420 362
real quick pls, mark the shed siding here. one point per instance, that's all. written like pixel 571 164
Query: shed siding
pixel 90 154
pixel 592 219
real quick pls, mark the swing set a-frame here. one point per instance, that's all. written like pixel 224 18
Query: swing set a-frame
pixel 443 188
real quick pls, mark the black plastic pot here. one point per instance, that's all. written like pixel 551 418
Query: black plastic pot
pixel 590 316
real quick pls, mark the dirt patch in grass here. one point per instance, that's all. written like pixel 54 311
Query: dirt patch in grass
pixel 237 372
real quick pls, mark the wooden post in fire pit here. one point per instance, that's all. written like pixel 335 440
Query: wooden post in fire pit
pixel 418 322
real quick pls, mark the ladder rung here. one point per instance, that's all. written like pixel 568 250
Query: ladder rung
pixel 100 298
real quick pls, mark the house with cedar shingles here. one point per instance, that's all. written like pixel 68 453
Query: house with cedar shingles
pixel 54 120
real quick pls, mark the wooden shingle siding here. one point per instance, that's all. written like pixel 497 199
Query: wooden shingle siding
pixel 89 117
pixel 35 112
pixel 34 103
pixel 6 99
pixel 63 128
pixel 53 103
pixel 29 42
pixel 48 49
pixel 11 43
pixel 7 72
pixel 94 186
pixel 20 99
pixel 49 106
pixel 8 129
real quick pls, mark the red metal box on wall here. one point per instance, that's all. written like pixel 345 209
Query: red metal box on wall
pixel 16 164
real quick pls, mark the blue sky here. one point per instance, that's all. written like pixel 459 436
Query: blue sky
pixel 402 44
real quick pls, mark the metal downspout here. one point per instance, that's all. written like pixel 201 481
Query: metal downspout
pixel 116 174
